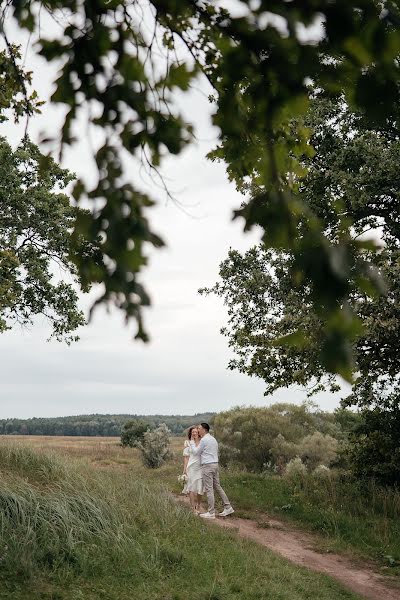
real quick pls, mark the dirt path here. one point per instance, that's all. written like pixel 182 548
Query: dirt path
pixel 297 546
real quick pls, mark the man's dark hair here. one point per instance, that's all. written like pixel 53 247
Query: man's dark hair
pixel 205 426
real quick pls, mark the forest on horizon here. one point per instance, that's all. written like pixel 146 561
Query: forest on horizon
pixel 96 424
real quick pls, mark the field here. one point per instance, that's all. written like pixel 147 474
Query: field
pixel 83 519
pixel 362 521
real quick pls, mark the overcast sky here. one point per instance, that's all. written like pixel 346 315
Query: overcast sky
pixel 183 369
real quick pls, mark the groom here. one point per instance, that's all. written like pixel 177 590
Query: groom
pixel 208 451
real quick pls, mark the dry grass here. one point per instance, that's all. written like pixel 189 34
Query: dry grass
pixel 100 452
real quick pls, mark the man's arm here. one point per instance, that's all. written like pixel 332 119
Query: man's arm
pixel 199 449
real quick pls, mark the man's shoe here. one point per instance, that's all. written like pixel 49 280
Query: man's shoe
pixel 226 512
pixel 207 515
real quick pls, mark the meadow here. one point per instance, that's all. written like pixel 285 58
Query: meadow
pixel 81 518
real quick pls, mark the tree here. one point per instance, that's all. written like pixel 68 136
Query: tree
pixel 13 87
pixel 36 223
pixel 125 60
pixel 133 432
pixel 353 176
pixel 375 449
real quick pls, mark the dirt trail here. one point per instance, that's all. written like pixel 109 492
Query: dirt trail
pixel 297 547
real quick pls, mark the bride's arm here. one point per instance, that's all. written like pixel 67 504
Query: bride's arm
pixel 185 464
pixel 186 455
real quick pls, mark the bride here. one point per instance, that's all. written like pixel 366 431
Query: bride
pixel 192 469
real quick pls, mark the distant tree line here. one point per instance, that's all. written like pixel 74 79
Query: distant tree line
pixel 96 425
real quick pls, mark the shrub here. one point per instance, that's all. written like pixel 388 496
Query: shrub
pixel 133 432
pixel 322 472
pixel 228 456
pixel 155 447
pixel 252 431
pixel 257 439
pixel 295 471
pixel 317 449
pixel 282 452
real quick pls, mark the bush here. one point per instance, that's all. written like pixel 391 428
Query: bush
pixel 282 452
pixel 269 437
pixel 322 472
pixel 228 456
pixel 317 449
pixel 155 447
pixel 133 432
pixel 295 471
pixel 251 432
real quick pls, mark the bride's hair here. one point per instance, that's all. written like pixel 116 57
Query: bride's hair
pixel 190 431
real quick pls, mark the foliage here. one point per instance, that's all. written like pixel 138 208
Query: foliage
pixel 318 449
pixel 295 470
pixel 155 447
pixel 282 452
pixel 14 82
pixel 133 432
pixel 374 451
pixel 352 176
pixel 36 226
pixel 322 472
pixel 268 438
pixel 96 425
pixel 125 60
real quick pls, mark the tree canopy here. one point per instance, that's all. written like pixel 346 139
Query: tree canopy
pixel 123 61
pixel 37 274
pixel 353 176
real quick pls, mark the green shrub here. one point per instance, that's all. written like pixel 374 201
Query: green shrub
pixel 322 472
pixel 282 452
pixel 267 438
pixel 155 447
pixel 295 471
pixel 133 432
pixel 318 449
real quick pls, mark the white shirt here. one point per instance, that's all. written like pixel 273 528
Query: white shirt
pixel 208 450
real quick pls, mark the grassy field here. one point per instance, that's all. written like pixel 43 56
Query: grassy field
pixel 362 520
pixel 82 519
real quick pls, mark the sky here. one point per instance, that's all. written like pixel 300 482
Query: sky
pixel 183 368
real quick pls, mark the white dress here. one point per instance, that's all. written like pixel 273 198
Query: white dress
pixel 195 480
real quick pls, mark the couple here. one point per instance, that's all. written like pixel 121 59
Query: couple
pixel 201 468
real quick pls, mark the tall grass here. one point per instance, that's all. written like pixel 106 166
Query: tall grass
pixel 352 515
pixel 89 533
pixel 33 465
